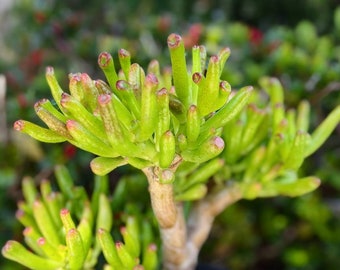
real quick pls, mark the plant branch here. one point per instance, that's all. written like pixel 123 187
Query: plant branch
pixel 204 212
pixel 170 217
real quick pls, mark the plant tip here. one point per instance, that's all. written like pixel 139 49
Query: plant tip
pixel 18 125
pixel 174 40
pixel 104 59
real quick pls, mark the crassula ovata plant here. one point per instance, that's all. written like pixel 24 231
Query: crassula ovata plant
pixel 183 128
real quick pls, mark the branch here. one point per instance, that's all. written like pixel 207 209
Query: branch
pixel 170 218
pixel 204 212
pixel 175 253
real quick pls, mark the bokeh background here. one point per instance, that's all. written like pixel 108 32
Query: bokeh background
pixel 296 41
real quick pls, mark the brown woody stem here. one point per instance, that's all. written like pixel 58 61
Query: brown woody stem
pixel 182 240
pixel 204 212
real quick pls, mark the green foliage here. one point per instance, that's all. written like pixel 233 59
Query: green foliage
pixel 124 126
pixel 61 228
pixel 281 52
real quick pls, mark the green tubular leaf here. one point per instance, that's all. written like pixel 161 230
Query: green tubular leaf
pixel 224 93
pixel 233 137
pixel 101 185
pixel 51 121
pixel 303 112
pixel 85 140
pixel 45 223
pixel 167 78
pixel 90 92
pixel 45 189
pixel 167 149
pixel 131 243
pixel 195 192
pixel 126 258
pixel 128 97
pixel 29 190
pixel 186 168
pixel 204 152
pixel 125 61
pixel 223 55
pixel 193 125
pixel 179 67
pixel 253 190
pixel 106 63
pixel 85 230
pixel 153 68
pixel 199 84
pixel 254 163
pixel 261 134
pixel 132 227
pixel 83 116
pixel 203 173
pixel 25 219
pixel 119 195
pixel 76 88
pixel 23 206
pixel 53 205
pixel 65 181
pixel 291 119
pixel 31 239
pixel 296 155
pixel 163 113
pixel 278 114
pixel 67 220
pixel 124 116
pixel 54 85
pixel 75 250
pixel 104 165
pixel 255 116
pixel 147 235
pixel 121 75
pixel 138 163
pixel 109 249
pixel 295 188
pixel 102 87
pixel 16 252
pixel 104 217
pixel 177 108
pixel 148 120
pixel 182 142
pixel 49 250
pixel 196 68
pixel 136 79
pixel 203 55
pixel 39 133
pixel 150 258
pixel 277 148
pixel 323 131
pixel 272 173
pixel 196 60
pixel 119 140
pixel 274 88
pixel 207 97
pixel 47 105
pixel 230 110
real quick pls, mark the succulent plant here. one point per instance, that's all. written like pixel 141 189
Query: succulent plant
pixel 68 230
pixel 182 128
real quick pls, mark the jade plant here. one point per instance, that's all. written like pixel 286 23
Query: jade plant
pixel 201 145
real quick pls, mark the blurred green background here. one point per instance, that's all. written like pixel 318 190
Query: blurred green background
pixel 296 41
